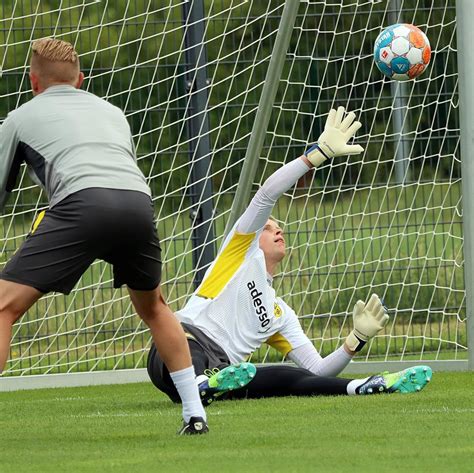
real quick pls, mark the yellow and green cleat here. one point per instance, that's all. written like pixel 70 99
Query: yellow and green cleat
pixel 228 379
pixel 410 380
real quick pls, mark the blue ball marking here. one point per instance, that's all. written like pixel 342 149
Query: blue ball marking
pixel 384 68
pixel 384 38
pixel 400 65
pixel 376 54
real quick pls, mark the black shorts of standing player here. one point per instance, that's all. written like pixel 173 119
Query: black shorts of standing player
pixel 276 380
pixel 116 226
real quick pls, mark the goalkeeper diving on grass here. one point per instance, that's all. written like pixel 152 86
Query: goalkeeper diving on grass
pixel 235 309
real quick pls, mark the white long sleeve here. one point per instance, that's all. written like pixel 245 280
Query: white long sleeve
pixel 306 356
pixel 261 206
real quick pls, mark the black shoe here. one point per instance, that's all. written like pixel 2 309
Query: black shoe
pixel 195 426
pixel 374 385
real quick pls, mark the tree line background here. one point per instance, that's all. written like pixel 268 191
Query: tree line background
pixel 132 54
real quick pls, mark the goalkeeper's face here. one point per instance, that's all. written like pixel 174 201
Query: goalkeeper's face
pixel 272 242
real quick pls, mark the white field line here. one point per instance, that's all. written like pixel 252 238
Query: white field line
pixel 99 414
pixel 440 410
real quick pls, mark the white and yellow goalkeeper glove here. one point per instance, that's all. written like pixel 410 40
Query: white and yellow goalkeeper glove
pixel 369 320
pixel 333 141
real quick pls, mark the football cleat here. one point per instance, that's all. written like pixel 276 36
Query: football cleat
pixel 195 426
pixel 410 380
pixel 230 378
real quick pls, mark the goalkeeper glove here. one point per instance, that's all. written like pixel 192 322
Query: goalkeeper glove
pixel 333 141
pixel 369 319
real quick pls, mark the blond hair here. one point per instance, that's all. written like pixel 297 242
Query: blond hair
pixel 54 50
pixel 54 61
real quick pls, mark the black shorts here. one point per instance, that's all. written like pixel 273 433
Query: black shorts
pixel 116 226
pixel 205 353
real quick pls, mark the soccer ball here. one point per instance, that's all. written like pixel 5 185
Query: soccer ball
pixel 402 51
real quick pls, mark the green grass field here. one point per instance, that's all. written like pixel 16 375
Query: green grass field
pixel 132 428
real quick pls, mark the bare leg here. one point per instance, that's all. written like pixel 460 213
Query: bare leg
pixel 173 348
pixel 15 300
pixel 166 331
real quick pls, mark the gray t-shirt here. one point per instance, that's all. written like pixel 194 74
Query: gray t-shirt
pixel 71 140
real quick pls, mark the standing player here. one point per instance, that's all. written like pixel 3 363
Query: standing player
pixel 80 149
pixel 235 309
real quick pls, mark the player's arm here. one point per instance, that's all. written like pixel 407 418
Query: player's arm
pixel 291 341
pixel 260 208
pixel 338 130
pixel 9 167
pixel 369 319
pixel 306 356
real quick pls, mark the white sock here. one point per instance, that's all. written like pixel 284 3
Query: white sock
pixel 185 382
pixel 201 378
pixel 354 384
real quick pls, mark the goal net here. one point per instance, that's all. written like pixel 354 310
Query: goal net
pixel 388 221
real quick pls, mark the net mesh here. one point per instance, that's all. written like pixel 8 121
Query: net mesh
pixel 388 221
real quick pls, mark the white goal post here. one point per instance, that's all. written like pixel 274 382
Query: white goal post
pixel 192 76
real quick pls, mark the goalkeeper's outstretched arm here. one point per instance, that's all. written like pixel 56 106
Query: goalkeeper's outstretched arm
pixel 260 208
pixel 338 130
